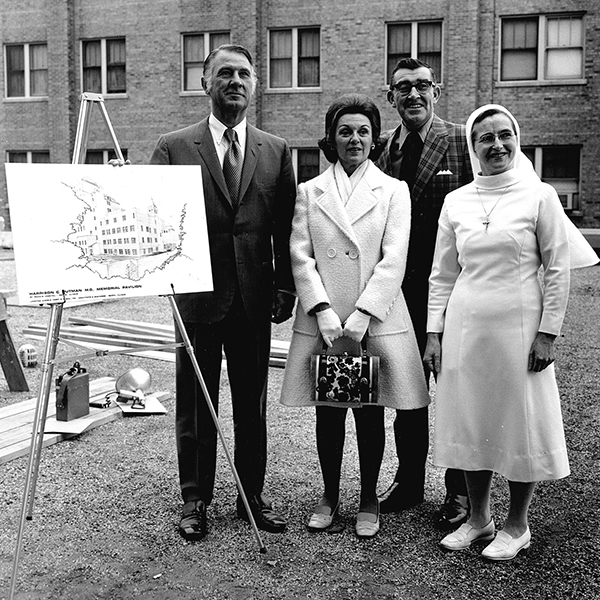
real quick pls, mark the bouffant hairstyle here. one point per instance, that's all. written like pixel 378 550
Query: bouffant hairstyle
pixel 350 104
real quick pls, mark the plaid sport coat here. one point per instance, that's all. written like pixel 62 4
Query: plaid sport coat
pixel 443 167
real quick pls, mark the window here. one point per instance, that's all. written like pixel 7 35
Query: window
pixel 101 157
pixel 30 156
pixel 420 39
pixel 26 70
pixel 196 47
pixel 558 166
pixel 103 63
pixel 306 163
pixel 295 58
pixel 541 48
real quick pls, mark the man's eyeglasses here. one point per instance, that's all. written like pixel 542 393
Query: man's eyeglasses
pixel 404 88
pixel 489 138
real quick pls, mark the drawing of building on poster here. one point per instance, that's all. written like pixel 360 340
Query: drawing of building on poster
pixel 92 231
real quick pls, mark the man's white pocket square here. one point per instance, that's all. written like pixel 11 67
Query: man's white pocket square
pixel 444 172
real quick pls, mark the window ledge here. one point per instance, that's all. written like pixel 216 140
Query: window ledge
pixel 294 90
pixel 192 93
pixel 15 99
pixel 118 96
pixel 541 83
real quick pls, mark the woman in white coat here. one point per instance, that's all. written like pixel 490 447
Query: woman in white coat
pixel 348 246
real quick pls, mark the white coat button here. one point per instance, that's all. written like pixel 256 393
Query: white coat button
pixel 353 254
pixel 331 252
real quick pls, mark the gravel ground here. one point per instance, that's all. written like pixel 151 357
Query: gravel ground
pixel 107 503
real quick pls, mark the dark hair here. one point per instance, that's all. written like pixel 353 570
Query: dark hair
pixel 208 61
pixel 350 104
pixel 490 112
pixel 411 64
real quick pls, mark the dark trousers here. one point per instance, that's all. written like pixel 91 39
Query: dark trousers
pixel 411 427
pixel 370 436
pixel 246 346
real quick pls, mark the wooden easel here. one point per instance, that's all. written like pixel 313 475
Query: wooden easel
pixel 47 365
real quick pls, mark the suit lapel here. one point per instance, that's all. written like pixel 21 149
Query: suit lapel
pixel 363 199
pixel 208 153
pixel 253 144
pixel 434 148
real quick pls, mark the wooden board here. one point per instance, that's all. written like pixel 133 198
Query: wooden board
pixel 16 420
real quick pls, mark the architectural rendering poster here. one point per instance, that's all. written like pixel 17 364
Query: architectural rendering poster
pixel 84 232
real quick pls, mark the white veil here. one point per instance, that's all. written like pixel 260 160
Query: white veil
pixel 582 254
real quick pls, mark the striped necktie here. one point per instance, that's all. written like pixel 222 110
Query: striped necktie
pixel 232 166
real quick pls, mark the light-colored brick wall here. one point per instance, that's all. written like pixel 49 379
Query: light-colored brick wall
pixel 353 58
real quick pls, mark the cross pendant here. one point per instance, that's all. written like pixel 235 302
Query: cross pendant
pixel 486 223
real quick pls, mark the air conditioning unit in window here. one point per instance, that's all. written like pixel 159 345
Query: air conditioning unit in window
pixel 568 192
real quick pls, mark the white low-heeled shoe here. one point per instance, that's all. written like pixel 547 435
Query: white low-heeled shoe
pixel 506 547
pixel 320 520
pixel 466 534
pixel 367 524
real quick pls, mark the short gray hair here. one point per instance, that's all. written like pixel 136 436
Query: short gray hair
pixel 209 60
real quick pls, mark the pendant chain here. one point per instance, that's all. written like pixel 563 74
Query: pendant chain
pixel 487 214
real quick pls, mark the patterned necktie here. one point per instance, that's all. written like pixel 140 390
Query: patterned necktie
pixel 411 154
pixel 232 166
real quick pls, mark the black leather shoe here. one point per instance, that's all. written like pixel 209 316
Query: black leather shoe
pixel 452 513
pixel 395 499
pixel 192 526
pixel 264 515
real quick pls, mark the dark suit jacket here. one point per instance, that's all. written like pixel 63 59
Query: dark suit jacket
pixel 444 166
pixel 249 247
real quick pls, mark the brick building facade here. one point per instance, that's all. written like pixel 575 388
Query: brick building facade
pixel 539 58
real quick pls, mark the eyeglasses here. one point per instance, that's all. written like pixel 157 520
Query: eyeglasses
pixel 490 138
pixel 404 88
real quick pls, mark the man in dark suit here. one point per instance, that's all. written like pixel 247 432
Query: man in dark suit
pixel 249 192
pixel 432 156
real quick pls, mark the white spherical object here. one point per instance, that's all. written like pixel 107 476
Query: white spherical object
pixel 28 355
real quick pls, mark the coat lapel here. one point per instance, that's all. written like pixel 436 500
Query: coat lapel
pixel 208 153
pixel 253 144
pixel 363 198
pixel 434 148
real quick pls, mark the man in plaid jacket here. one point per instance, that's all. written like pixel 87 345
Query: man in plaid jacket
pixel 434 160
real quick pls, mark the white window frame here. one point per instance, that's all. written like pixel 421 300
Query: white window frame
pixel 563 188
pixel 103 65
pixel 207 35
pixel 27 68
pixel 414 45
pixel 295 60
pixel 541 51
pixel 29 154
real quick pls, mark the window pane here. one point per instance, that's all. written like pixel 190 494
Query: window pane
pixel 193 48
pixel 281 58
pixel 193 78
pixel 193 57
pixel 38 63
pixel 115 71
pixel 565 32
pixel 308 164
pixel 519 49
pixel 92 54
pixel 17 157
pixel 308 58
pixel 15 68
pixel 561 163
pixel 430 46
pixel 94 157
pixel 564 54
pixel 399 39
pixel 40 157
pixel 519 65
pixel 218 39
pixel 564 64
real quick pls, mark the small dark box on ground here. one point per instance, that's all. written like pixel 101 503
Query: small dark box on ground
pixel 73 394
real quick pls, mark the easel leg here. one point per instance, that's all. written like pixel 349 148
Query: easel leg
pixel 37 435
pixel 213 414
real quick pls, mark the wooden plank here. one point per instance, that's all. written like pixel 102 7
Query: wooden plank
pixel 17 442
